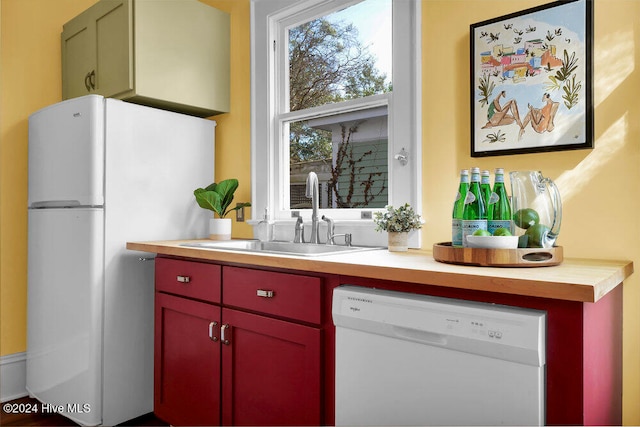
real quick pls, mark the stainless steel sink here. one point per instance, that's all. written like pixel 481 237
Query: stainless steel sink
pixel 286 248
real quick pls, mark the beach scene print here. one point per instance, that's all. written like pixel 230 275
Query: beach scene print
pixel 529 79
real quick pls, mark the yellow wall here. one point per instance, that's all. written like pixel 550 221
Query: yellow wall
pixel 31 79
pixel 599 186
pixel 233 158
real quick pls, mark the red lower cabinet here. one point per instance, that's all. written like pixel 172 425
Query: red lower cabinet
pixel 271 371
pixel 187 362
pixel 219 365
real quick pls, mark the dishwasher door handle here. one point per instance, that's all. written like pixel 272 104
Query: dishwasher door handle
pixel 425 337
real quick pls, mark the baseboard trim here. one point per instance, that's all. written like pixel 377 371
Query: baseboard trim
pixel 13 376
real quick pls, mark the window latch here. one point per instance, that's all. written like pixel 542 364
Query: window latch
pixel 402 157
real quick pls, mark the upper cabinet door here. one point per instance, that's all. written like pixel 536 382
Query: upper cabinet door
pixel 78 59
pixel 114 47
pixel 97 50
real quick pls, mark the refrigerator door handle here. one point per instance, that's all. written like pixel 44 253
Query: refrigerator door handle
pixel 46 204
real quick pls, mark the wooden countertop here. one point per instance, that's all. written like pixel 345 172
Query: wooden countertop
pixel 582 280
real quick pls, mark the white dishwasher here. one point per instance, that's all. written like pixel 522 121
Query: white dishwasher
pixel 406 359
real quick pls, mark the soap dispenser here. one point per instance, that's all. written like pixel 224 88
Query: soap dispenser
pixel 264 229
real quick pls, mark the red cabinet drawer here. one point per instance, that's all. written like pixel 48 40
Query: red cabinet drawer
pixel 189 279
pixel 280 294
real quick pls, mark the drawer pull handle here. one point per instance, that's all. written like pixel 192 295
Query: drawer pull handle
pixel 211 336
pixel 264 294
pixel 223 329
pixel 183 279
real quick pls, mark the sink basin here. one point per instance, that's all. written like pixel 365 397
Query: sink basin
pixel 287 248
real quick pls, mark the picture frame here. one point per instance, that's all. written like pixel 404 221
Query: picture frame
pixel 531 80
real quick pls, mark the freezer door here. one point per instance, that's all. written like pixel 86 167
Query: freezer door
pixel 65 298
pixel 66 154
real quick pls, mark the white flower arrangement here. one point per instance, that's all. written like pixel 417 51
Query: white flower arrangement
pixel 402 219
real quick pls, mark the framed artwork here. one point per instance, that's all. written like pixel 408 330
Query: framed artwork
pixel 531 80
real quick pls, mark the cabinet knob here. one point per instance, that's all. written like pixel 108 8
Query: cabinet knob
pixel 223 329
pixel 90 80
pixel 264 293
pixel 211 336
pixel 183 279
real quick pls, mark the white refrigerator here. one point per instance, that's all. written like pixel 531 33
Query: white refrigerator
pixel 103 172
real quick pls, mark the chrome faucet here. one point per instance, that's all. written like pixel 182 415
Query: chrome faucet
pixel 312 193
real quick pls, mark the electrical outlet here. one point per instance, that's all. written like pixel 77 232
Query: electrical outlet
pixel 240 214
pixel 365 215
pixel 295 214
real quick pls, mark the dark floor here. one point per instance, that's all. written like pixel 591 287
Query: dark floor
pixel 17 416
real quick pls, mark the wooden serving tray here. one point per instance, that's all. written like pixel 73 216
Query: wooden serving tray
pixel 531 257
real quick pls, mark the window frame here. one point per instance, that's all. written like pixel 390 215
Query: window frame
pixel 269 107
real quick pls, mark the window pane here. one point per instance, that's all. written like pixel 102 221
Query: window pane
pixel 343 55
pixel 348 152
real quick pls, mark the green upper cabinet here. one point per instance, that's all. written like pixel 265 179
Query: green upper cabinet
pixel 170 54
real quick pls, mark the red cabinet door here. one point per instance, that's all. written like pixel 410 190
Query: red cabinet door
pixel 271 371
pixel 187 361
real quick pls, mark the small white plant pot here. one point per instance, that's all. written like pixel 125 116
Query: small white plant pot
pixel 220 228
pixel 398 241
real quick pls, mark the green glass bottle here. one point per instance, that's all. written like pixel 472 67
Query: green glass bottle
pixel 458 208
pixel 485 188
pixel 499 206
pixel 474 214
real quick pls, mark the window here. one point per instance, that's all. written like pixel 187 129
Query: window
pixel 332 59
pixel 328 97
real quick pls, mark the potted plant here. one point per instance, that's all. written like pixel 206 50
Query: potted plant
pixel 397 223
pixel 217 198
